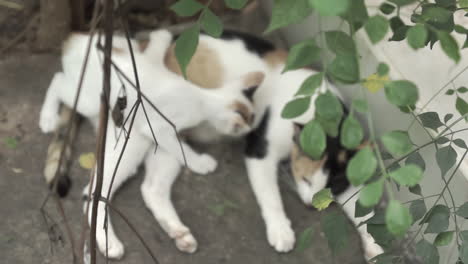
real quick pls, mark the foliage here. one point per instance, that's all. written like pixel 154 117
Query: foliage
pixel 431 22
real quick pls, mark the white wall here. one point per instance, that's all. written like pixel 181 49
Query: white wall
pixel 430 70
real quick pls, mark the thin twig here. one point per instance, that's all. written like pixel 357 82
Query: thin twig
pixel 104 119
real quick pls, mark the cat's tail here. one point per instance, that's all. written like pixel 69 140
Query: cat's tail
pixel 56 177
pixel 159 42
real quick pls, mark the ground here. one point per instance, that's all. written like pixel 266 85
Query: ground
pixel 236 235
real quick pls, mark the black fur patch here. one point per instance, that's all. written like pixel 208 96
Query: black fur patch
pixel 256 142
pixel 336 169
pixel 249 92
pixel 252 43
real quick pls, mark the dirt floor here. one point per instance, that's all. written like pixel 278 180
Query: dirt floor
pixel 220 208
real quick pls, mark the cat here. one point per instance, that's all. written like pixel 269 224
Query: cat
pixel 227 108
pixel 272 140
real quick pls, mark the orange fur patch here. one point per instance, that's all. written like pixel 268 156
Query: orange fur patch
pixel 302 166
pixel 276 57
pixel 204 69
pixel 243 110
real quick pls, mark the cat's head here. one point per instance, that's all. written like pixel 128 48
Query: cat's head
pixel 235 114
pixel 312 175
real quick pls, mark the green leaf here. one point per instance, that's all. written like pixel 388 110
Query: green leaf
pixel 402 2
pixel 427 252
pixel 437 219
pixel 447 117
pixel 397 218
pixel 462 89
pixel 360 211
pixel 360 105
pixel 322 199
pixel 351 133
pixel 305 239
pixel 408 175
pixel 336 228
pixel 313 139
pixel 417 36
pixel 11 143
pixel 416 159
pixel 460 143
pixel 302 54
pixel 464 251
pixel 386 156
pixel 386 8
pixel 381 235
pixel 449 45
pixel 235 4
pixel 186 8
pixel 370 195
pixel 431 120
pixel 446 158
pixel 330 126
pixel 450 92
pixel 330 7
pixel 418 209
pixel 211 23
pixel 310 85
pixel 376 28
pixel 437 17
pixel 399 29
pixel 462 107
pixel 328 106
pixel 295 107
pixel 185 46
pixel 463 210
pixel 443 239
pixel 401 93
pixel 361 167
pixel 288 12
pixel 463 3
pixel 382 69
pixel 356 15
pixel 340 43
pixel 416 189
pixel 397 142
pixel 442 140
pixel 344 68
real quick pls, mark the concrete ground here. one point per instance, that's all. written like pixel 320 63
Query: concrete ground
pixel 220 208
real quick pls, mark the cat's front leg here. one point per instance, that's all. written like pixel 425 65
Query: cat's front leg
pixel 263 178
pixel 133 156
pixel 161 171
pixel 371 248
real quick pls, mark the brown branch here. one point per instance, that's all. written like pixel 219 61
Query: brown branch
pixel 104 119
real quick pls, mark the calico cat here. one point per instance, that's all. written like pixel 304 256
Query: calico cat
pixel 272 140
pixel 227 108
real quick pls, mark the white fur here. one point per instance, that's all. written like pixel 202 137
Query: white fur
pixel 185 104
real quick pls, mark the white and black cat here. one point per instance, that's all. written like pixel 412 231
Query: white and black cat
pixel 272 141
pixel 227 108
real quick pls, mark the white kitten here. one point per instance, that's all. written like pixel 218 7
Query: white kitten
pixel 226 108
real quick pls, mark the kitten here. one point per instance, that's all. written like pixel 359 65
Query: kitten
pixel 225 108
pixel 272 139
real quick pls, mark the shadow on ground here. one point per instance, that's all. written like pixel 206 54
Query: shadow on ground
pixel 233 234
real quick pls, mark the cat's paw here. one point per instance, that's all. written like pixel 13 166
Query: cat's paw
pixel 203 164
pixel 48 122
pixel 115 248
pixel 281 236
pixel 371 249
pixel 184 240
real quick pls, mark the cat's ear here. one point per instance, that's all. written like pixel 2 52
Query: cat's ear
pixel 251 82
